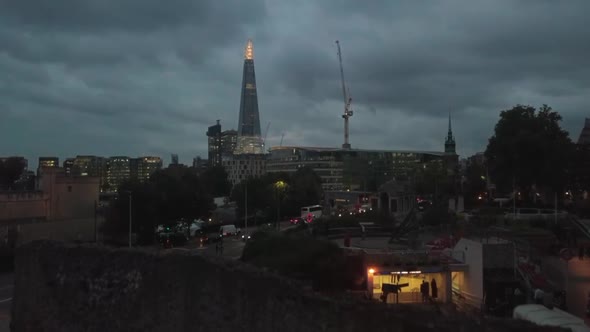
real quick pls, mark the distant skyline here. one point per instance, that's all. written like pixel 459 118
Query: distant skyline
pixel 104 78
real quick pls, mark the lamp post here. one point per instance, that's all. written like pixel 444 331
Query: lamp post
pixel 246 207
pixel 130 215
pixel 279 187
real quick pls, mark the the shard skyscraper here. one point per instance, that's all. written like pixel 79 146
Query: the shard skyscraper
pixel 249 138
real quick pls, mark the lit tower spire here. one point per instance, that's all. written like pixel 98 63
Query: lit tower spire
pixel 249 137
pixel 249 51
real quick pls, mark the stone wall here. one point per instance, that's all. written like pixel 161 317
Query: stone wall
pixel 83 288
pixel 23 205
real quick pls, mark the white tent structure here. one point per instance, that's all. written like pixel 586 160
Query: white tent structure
pixel 542 315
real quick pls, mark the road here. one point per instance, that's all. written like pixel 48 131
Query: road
pixel 6 286
pixel 232 246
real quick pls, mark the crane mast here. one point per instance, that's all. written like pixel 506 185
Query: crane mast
pixel 347 100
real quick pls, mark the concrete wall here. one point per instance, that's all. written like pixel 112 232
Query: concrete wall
pixel 23 205
pixel 470 282
pixel 81 288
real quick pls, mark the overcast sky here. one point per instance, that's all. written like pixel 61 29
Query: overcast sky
pixel 146 77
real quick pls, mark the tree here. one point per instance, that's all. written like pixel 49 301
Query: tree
pixel 475 181
pixel 529 148
pixel 261 195
pixel 305 188
pixel 215 181
pixel 432 179
pixel 11 170
pixel 170 195
pixel 143 211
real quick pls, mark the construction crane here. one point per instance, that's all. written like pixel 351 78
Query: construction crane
pixel 265 134
pixel 347 100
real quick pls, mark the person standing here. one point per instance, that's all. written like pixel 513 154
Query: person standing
pixel 434 289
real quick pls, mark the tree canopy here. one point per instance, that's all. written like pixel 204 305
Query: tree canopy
pixel 214 180
pixel 170 195
pixel 530 148
pixel 301 188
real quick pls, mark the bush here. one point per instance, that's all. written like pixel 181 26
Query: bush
pixel 304 258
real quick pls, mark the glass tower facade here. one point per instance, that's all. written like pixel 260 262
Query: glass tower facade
pixel 249 137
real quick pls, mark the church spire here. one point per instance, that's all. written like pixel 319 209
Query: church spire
pixel 450 140
pixel 450 128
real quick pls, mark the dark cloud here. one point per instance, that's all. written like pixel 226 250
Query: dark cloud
pixel 148 77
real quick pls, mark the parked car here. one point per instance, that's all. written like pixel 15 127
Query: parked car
pixel 297 221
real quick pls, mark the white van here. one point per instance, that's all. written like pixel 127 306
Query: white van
pixel 227 230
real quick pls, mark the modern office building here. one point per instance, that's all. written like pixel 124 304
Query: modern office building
pixel 249 137
pixel 68 165
pixel 93 166
pixel 214 144
pixel 147 166
pixel 174 159
pixel 361 169
pixel 350 169
pixel 220 144
pixel 243 166
pixel 118 171
pixel 48 162
pixel 229 141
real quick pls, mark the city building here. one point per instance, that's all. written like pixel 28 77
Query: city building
pixel 147 166
pixel 93 166
pixel 48 162
pixel 229 141
pixel 118 171
pixel 68 165
pixel 214 144
pixel 249 137
pixel 174 159
pixel 22 160
pixel 349 169
pixel 221 144
pixel 360 169
pixel 243 166
pixel 200 165
pixel 59 197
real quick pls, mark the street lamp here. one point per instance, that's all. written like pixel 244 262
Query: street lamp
pixel 130 215
pixel 279 187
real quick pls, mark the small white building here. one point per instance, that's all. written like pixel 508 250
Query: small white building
pixel 489 257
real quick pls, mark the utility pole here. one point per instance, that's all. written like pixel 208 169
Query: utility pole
pixel 130 215
pixel 95 226
pixel 246 207
pixel 556 207
pixel 514 196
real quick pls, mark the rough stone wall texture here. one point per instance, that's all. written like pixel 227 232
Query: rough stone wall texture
pixel 83 288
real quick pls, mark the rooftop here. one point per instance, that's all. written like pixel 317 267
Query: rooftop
pixel 330 149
